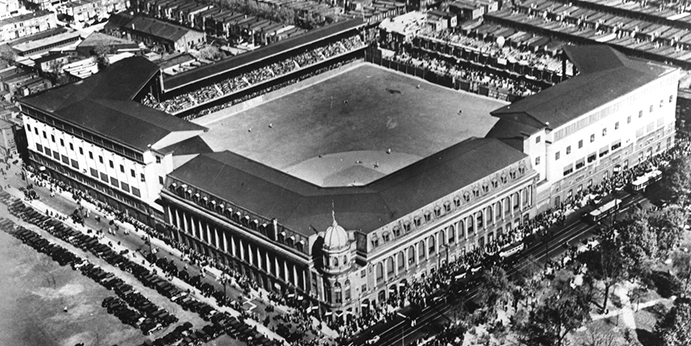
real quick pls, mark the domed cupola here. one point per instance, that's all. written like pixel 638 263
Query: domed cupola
pixel 335 237
pixel 336 249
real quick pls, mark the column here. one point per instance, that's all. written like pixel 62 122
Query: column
pixel 406 258
pixel 295 276
pixel 224 241
pixel 385 270
pixel 395 264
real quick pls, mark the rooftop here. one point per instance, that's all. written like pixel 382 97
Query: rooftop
pixel 605 74
pixel 334 134
pixel 300 205
pixel 103 104
pixel 223 66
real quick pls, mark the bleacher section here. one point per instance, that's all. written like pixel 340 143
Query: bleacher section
pixel 667 39
pixel 207 85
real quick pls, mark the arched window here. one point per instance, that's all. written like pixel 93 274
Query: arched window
pixel 389 266
pixel 346 290
pixel 401 260
pixel 452 235
pixel 421 250
pixel 338 293
pixel 380 272
pixel 334 261
pixel 411 255
pixel 457 201
pixel 479 219
pixel 490 215
pixel 430 245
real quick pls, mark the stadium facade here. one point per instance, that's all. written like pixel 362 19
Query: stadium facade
pixel 614 114
pixel 347 249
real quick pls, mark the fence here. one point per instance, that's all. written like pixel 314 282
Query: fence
pixel 443 80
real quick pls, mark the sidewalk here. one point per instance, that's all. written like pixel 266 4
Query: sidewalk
pixel 42 207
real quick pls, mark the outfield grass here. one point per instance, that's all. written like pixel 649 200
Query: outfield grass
pixel 366 108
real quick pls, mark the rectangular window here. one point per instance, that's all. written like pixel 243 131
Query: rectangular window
pixel 81 151
pixel 91 155
pixel 160 180
pixel 568 170
pixel 616 146
pixel 616 125
pixel 158 159
pixel 110 163
pixel 580 144
pixel 39 147
pixel 592 158
pixel 132 173
pixel 568 150
pixel 65 160
pixel 628 119
pixel 44 135
pixel 122 169
pixel 71 147
pixel 537 161
pixel 671 98
pixel 104 177
pixel 74 164
pixel 640 114
pixel 580 163
pixel 100 158
pixel 94 173
pixel 556 156
pixel 592 138
pixel 48 152
pixel 142 177
pixel 604 132
pixel 52 138
pixel 114 182
pixel 124 186
pixel 28 128
pixel 36 130
pixel 135 191
pixel 651 109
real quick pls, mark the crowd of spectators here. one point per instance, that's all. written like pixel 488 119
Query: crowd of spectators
pixel 260 75
pixel 269 88
pixel 541 60
pixel 422 291
pixel 476 76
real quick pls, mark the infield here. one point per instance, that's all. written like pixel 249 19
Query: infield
pixel 339 131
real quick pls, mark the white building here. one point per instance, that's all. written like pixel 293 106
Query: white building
pixel 613 114
pixel 92 135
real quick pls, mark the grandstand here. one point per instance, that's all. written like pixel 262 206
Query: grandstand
pixel 189 92
pixel 643 32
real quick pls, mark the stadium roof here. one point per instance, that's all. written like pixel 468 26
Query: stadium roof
pixel 223 66
pixel 103 104
pixel 300 205
pixel 605 75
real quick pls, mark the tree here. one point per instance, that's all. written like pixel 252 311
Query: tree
pixel 212 53
pixel 494 288
pixel 678 181
pixel 675 328
pixel 668 225
pixel 681 261
pixel 607 263
pixel 555 318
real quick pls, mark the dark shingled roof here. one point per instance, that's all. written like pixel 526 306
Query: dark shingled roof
pixel 207 71
pixel 300 205
pixel 605 75
pixel 194 145
pixel 103 104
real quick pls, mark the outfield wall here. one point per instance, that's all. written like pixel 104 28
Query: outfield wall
pixel 272 95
